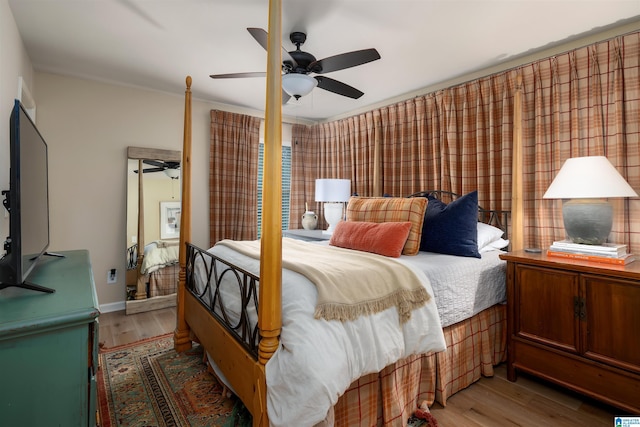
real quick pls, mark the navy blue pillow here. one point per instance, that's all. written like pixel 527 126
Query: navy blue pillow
pixel 451 229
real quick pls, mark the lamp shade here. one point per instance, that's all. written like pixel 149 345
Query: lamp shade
pixel 588 178
pixel 333 190
pixel 298 85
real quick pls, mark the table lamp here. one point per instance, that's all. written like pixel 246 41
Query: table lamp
pixel 586 182
pixel 333 193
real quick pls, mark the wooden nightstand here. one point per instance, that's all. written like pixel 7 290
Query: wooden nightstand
pixel 577 324
pixel 308 235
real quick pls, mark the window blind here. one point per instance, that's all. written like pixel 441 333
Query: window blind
pixel 286 186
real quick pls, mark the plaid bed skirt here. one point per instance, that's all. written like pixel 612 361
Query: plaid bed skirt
pixel 164 281
pixel 390 397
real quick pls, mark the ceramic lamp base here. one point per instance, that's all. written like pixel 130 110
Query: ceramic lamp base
pixel 587 221
pixel 333 215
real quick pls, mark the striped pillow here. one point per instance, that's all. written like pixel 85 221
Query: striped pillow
pixel 391 209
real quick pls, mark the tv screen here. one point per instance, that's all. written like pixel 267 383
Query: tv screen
pixel 27 201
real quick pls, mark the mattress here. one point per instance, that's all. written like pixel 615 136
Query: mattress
pixel 462 286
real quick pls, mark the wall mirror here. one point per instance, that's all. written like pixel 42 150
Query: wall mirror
pixel 153 228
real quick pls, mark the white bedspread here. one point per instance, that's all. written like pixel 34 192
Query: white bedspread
pixel 159 254
pixel 318 359
pixel 463 286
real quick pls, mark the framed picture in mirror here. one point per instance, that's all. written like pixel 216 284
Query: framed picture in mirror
pixel 169 220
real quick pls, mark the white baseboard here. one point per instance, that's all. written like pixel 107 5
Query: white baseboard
pixel 113 306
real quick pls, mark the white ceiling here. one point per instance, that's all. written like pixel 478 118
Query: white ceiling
pixel 155 44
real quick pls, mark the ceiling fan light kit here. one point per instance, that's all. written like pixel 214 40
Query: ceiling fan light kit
pixel 172 173
pixel 298 85
pixel 298 64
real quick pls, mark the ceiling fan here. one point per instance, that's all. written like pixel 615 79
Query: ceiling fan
pixel 171 169
pixel 297 65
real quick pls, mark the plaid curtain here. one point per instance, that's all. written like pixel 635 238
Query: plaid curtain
pixel 583 102
pixel 452 140
pixel 439 141
pixel 233 176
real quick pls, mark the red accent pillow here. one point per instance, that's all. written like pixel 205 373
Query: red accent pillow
pixel 382 238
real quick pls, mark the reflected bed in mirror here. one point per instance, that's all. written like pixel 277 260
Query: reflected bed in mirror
pixel 153 228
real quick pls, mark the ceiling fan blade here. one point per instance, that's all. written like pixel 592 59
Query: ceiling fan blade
pixel 131 5
pixel 345 60
pixel 238 75
pixel 151 170
pixel 261 37
pixel 340 88
pixel 156 163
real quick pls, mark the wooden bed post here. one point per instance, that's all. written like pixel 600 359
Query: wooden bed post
pixel 270 297
pixel 517 209
pixel 141 286
pixel 270 306
pixel 181 338
pixel 377 167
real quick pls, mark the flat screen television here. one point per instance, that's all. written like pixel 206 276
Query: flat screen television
pixel 27 202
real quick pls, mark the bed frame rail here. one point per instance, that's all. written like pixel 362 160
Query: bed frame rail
pixel 216 270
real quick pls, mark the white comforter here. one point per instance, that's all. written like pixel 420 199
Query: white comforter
pixel 317 359
pixel 159 254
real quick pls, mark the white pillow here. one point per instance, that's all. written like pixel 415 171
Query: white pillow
pixel 495 246
pixel 488 234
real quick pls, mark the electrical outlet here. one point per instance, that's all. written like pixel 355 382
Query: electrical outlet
pixel 112 276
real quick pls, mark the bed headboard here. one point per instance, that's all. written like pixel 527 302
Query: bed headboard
pixel 496 218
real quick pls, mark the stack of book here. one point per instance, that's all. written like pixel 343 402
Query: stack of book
pixel 610 253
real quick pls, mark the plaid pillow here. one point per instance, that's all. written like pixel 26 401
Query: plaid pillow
pixel 391 209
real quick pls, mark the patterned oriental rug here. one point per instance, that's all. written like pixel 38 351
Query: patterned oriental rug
pixel 148 384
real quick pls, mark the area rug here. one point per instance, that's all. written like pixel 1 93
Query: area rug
pixel 148 384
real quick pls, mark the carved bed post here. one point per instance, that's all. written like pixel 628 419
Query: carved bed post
pixel 181 339
pixel 516 235
pixel 270 305
pixel 377 167
pixel 141 286
pixel 270 293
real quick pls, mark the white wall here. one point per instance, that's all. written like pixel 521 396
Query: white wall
pixel 88 127
pixel 14 62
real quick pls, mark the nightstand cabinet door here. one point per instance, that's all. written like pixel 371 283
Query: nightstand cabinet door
pixel 545 300
pixel 612 327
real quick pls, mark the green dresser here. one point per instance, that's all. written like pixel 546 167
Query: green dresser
pixel 49 346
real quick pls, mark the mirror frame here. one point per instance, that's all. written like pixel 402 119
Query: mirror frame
pixel 141 303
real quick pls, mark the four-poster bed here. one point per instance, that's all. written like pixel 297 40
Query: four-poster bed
pixel 243 350
pixel 235 353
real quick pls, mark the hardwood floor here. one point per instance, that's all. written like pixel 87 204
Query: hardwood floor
pixel 117 328
pixel 527 402
pixel 490 402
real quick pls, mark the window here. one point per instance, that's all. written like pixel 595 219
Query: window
pixel 286 185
